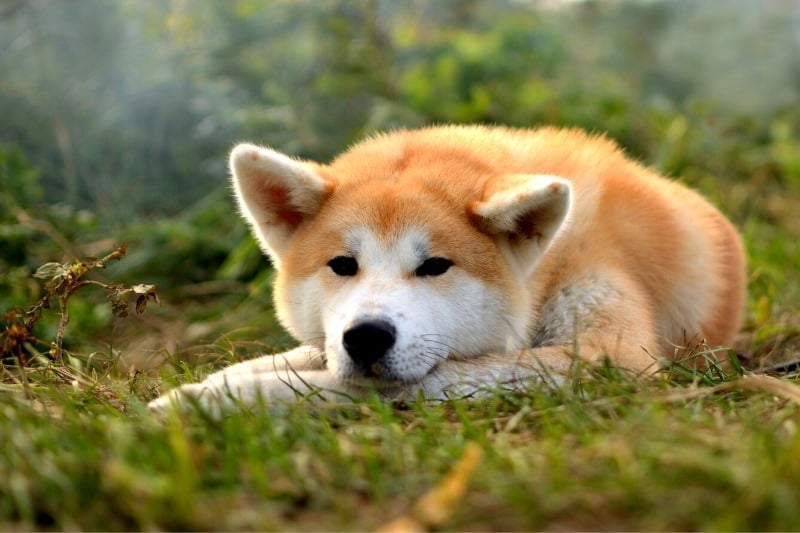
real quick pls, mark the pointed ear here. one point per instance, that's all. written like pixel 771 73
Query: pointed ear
pixel 276 194
pixel 524 211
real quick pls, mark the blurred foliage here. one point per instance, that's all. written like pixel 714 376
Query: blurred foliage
pixel 19 345
pixel 129 107
pixel 30 231
pixel 115 123
pixel 117 116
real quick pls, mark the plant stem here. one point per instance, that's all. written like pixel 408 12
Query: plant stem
pixel 62 326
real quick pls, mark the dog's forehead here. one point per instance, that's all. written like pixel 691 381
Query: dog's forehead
pixel 413 243
pixel 411 215
pixel 385 220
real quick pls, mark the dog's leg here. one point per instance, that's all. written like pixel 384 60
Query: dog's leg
pixel 265 375
pixel 585 323
pixel 548 365
pixel 223 391
pixel 300 358
pixel 551 365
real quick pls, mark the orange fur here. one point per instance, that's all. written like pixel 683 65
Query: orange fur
pixel 678 262
pixel 448 260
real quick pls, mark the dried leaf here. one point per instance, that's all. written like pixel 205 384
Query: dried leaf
pixel 755 382
pixel 779 387
pixel 146 293
pixel 437 505
pixel 51 271
pixel 404 524
pixel 119 302
pixel 149 290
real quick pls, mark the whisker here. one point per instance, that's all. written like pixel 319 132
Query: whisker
pixel 433 356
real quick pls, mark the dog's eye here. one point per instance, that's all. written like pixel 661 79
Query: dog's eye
pixel 343 265
pixel 433 266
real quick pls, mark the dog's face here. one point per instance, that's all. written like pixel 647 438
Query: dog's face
pixel 391 284
pixel 392 264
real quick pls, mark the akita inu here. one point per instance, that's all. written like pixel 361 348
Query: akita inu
pixel 450 260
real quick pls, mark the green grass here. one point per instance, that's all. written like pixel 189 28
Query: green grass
pixel 609 453
pixel 684 451
pixel 78 451
pixel 681 451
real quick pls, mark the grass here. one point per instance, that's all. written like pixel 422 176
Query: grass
pixel 607 453
pixel 679 451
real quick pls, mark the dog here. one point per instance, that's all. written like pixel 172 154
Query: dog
pixel 446 261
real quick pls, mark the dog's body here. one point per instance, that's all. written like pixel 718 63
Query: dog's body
pixel 447 260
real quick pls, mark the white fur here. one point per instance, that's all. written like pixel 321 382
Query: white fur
pixel 434 318
pixel 439 320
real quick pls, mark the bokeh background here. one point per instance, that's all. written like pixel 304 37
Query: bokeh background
pixel 116 119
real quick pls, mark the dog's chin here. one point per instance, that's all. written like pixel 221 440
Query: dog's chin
pixel 378 377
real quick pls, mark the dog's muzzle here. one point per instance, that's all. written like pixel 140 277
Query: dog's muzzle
pixel 367 342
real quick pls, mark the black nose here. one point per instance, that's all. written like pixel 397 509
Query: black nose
pixel 367 341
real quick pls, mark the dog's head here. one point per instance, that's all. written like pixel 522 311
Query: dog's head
pixel 401 253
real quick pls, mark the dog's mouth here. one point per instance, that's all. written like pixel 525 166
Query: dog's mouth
pixel 380 377
pixel 384 387
pixel 373 353
pixel 376 370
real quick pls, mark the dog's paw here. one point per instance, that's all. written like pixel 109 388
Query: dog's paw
pixel 184 398
pixel 226 391
pixel 163 403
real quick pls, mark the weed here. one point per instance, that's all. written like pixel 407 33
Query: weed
pixel 18 342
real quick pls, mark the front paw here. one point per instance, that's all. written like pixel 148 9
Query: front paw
pixel 182 398
pixel 225 391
